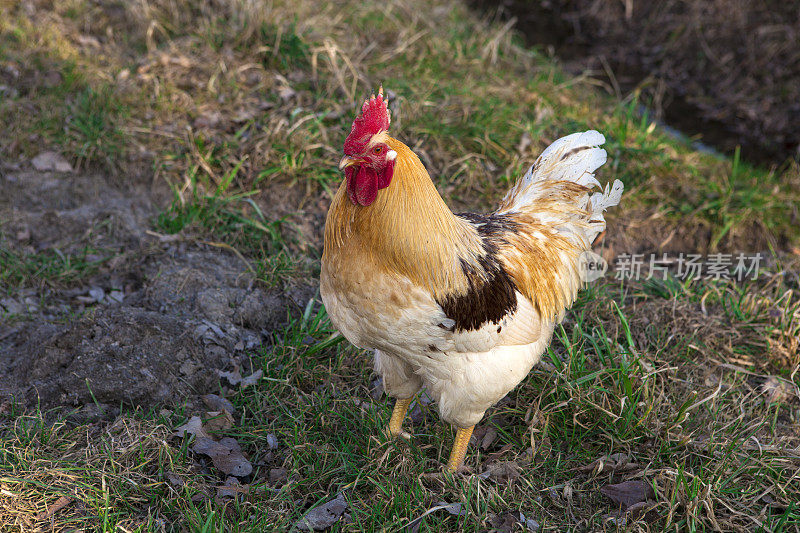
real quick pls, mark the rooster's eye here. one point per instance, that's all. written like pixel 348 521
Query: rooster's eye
pixel 377 150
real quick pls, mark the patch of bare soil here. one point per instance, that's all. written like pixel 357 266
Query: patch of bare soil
pixel 727 70
pixel 155 324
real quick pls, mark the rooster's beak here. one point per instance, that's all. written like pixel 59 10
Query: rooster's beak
pixel 348 161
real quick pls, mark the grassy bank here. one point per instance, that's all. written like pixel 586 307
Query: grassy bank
pixel 241 109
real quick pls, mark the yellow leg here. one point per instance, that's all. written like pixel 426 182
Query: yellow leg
pixel 398 415
pixel 459 448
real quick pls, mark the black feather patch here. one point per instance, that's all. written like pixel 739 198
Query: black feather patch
pixel 492 293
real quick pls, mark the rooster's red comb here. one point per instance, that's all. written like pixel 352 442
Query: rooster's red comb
pixel 373 119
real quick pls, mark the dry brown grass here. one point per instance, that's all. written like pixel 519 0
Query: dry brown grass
pixel 230 101
pixel 62 478
pixel 266 92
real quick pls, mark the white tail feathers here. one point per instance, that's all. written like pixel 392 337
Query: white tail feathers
pixel 599 202
pixel 573 158
pixel 608 198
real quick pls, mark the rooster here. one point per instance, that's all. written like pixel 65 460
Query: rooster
pixel 460 304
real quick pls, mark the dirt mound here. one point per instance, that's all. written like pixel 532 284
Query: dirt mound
pixel 162 343
pixel 153 325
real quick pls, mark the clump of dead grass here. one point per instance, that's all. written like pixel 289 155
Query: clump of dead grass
pixel 58 477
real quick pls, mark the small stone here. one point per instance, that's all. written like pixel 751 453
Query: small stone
pixel 529 523
pixel 97 294
pixel 277 475
pixel 116 297
pixel 31 304
pixel 51 161
pixel 12 306
pixel 89 41
pixel 24 234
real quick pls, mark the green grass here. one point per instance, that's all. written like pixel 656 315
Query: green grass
pixel 56 101
pixel 669 372
pixel 243 224
pixel 19 269
pixel 603 392
pixel 91 126
pixel 284 48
